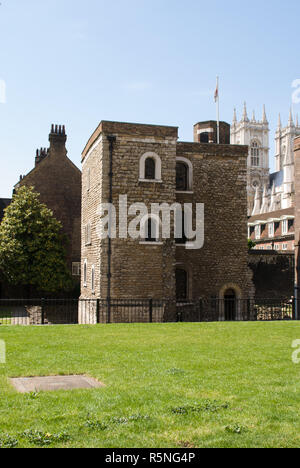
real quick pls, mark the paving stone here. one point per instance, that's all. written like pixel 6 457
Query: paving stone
pixel 54 383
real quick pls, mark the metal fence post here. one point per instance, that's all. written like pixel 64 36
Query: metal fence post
pixel 43 311
pixel 150 310
pixel 294 306
pixel 108 310
pixel 200 309
pixel 98 311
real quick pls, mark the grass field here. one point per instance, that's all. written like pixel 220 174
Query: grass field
pixel 177 385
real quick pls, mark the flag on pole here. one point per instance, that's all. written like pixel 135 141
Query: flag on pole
pixel 217 91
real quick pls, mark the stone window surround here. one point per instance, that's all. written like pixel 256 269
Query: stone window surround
pixel 85 263
pixel 189 165
pixel 255 149
pixel 158 170
pixel 93 280
pixel 144 222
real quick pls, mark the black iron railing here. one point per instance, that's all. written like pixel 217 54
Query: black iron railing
pixel 94 311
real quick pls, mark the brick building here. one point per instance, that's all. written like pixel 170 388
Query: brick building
pixel 58 181
pixel 273 231
pixel 148 165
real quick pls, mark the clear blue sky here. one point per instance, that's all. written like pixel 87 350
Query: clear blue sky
pixel 77 62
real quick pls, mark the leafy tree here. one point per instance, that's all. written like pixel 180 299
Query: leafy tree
pixel 32 252
pixel 251 244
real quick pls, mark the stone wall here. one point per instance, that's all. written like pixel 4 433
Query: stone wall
pixel 139 270
pixel 147 270
pixel 273 274
pixel 219 181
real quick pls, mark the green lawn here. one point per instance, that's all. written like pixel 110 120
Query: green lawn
pixel 177 385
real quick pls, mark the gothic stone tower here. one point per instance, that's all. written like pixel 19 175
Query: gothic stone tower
pixel 285 158
pixel 255 134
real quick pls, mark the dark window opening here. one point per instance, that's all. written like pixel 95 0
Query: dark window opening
pixel 151 233
pixel 204 137
pixel 150 169
pixel 182 239
pixel 182 177
pixel 181 285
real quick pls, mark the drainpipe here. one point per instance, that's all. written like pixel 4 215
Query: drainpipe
pixel 112 140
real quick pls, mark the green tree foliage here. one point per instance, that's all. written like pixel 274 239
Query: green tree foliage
pixel 251 244
pixel 32 252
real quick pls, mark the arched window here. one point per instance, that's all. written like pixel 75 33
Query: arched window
pixel 180 238
pixel 255 154
pixel 204 137
pixel 181 284
pixel 150 169
pixel 150 227
pixel 151 234
pixel 182 177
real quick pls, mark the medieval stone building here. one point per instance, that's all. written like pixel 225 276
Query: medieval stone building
pixel 147 164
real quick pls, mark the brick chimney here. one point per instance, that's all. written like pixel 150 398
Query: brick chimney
pixel 40 155
pixel 58 139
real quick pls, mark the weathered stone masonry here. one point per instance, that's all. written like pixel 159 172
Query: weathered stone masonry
pixel 148 270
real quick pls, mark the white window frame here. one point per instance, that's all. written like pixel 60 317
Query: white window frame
pixel 158 169
pixel 285 227
pixel 257 232
pixel 271 230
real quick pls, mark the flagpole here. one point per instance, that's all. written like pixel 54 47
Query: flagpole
pixel 218 113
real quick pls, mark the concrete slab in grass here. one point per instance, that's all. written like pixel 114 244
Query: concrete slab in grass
pixel 54 383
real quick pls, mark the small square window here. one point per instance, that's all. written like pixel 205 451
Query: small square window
pixel 87 234
pixel 76 268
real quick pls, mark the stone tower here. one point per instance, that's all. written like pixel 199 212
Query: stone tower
pixel 255 134
pixel 284 140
